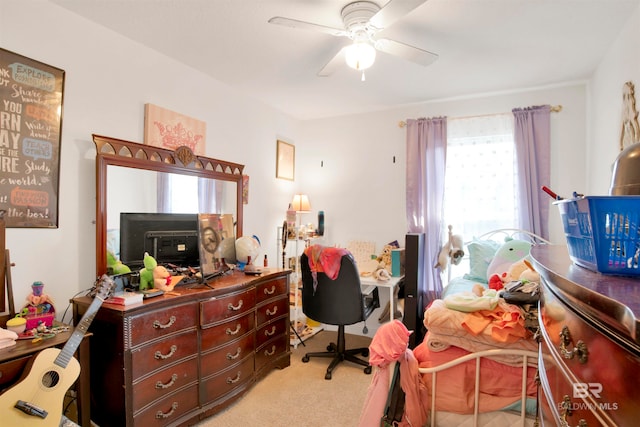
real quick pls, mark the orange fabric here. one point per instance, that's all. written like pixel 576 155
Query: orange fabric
pixel 505 321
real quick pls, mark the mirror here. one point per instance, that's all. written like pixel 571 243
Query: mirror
pixel 120 163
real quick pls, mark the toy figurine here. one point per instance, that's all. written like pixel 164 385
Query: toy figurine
pixel 41 301
pixel 146 273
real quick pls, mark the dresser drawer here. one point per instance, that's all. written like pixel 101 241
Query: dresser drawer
pixel 595 366
pixel 271 289
pixel 226 356
pixel 228 331
pixel 162 353
pixel 11 370
pixel 165 382
pixel 561 400
pixel 157 323
pixel 226 381
pixel 272 330
pixel 216 310
pixel 169 409
pixel 271 351
pixel 272 310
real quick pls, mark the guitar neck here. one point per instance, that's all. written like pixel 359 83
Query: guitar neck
pixel 78 333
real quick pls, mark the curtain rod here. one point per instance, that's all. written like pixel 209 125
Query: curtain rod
pixel 554 109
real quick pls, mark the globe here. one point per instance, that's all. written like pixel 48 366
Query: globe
pixel 247 247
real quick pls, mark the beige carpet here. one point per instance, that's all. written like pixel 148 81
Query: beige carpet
pixel 299 396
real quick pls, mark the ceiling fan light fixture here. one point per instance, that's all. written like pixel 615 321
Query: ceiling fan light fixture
pixel 360 55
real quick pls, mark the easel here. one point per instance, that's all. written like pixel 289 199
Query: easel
pixel 6 288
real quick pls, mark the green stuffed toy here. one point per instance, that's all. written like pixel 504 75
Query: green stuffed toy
pixel 115 266
pixel 146 273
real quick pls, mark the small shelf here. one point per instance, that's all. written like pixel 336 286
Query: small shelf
pixel 304 331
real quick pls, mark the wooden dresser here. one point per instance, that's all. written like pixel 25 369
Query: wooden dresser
pixel 590 345
pixel 176 359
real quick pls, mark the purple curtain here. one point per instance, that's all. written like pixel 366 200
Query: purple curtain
pixel 532 136
pixel 426 164
pixel 209 195
pixel 164 193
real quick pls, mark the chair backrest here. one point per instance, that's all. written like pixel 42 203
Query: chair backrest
pixel 334 302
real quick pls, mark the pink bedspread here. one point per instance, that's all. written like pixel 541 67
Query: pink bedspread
pixel 500 385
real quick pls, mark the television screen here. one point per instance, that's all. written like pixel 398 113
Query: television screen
pixel 171 238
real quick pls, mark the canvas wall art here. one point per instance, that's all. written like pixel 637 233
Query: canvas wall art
pixel 168 129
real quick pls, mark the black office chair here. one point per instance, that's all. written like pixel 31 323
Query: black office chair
pixel 337 302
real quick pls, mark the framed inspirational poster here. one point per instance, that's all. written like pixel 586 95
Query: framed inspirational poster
pixel 30 134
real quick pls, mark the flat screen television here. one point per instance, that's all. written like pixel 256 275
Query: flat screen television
pixel 171 238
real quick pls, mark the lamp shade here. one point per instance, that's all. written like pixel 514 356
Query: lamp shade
pixel 301 203
pixel 360 55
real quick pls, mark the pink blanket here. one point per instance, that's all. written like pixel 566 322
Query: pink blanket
pixel 389 345
pixel 500 385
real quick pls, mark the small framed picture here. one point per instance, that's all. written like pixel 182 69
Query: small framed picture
pixel 285 160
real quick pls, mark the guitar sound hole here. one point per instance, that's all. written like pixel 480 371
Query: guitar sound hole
pixel 50 379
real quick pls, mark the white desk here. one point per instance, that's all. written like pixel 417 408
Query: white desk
pixel 389 284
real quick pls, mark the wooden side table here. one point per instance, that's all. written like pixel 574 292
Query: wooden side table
pixel 14 360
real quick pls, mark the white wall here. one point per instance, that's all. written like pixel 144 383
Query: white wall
pixel 362 190
pixel 621 64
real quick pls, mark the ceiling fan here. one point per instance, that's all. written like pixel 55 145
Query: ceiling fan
pixel 362 21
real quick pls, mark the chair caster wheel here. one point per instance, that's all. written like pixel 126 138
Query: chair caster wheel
pixel 365 352
pixel 327 376
pixel 367 370
pixel 305 358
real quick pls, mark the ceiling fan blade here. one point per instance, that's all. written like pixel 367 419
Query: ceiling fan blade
pixel 337 61
pixel 294 23
pixel 393 11
pixel 411 53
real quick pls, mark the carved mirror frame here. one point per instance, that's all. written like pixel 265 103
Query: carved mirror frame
pixel 117 152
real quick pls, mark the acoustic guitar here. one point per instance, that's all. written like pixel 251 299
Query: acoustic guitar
pixel 38 399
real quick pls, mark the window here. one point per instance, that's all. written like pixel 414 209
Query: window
pixel 480 175
pixel 184 193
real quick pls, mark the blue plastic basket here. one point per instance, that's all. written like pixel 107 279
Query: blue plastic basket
pixel 603 233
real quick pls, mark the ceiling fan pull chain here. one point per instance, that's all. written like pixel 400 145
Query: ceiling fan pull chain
pixel 363 79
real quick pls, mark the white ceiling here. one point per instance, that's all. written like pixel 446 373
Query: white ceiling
pixel 484 46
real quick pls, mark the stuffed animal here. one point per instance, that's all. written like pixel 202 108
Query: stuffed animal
pixel 510 252
pixel 162 279
pixel 146 273
pixel 115 266
pixel 385 257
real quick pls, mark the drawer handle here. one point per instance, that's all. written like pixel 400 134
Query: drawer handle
pixel 233 380
pixel 234 356
pixel 162 386
pixel 272 352
pixel 160 356
pixel 566 411
pixel 270 333
pixel 565 408
pixel 230 332
pixel 162 415
pixel 270 292
pixel 158 325
pixel 271 313
pixel 231 307
pixel 580 349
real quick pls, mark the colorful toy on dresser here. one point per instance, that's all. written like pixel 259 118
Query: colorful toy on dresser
pixel 39 310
